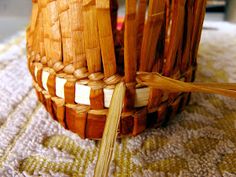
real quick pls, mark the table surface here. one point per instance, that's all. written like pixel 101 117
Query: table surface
pixel 201 141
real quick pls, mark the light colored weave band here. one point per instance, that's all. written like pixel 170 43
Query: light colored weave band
pixel 82 92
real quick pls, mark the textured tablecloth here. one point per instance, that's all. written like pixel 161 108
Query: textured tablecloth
pixel 201 141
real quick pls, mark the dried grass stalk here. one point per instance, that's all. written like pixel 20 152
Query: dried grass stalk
pixel 35 41
pixel 110 132
pixel 77 27
pixel 66 32
pixel 91 37
pixel 54 32
pixel 188 35
pixel 199 14
pixel 140 20
pixel 34 27
pixel 175 35
pixel 41 35
pixel 130 53
pixel 34 16
pixel 46 26
pixel 155 80
pixel 151 34
pixel 106 37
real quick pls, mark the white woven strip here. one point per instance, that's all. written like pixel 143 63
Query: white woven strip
pixel 45 76
pixel 82 92
pixel 36 72
pixel 107 96
pixel 60 83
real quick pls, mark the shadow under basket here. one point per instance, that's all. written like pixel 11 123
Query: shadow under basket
pixel 78 50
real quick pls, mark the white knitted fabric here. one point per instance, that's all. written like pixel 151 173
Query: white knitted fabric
pixel 201 141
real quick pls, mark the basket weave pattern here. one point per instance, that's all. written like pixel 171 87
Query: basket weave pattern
pixel 76 56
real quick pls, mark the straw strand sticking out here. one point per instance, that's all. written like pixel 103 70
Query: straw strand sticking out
pixel 155 80
pixel 66 32
pixel 188 36
pixel 130 54
pixel 106 37
pixel 199 14
pixel 110 132
pixel 77 28
pixel 54 32
pixel 141 13
pixel 152 32
pixel 175 36
pixel 91 37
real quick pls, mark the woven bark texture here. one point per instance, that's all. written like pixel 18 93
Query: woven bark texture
pixel 76 55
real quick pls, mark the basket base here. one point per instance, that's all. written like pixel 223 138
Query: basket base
pixel 90 123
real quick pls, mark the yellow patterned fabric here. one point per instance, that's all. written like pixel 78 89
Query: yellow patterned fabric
pixel 201 141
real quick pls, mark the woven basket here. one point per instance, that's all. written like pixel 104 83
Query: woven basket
pixel 78 50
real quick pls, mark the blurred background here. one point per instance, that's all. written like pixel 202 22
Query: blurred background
pixel 14 14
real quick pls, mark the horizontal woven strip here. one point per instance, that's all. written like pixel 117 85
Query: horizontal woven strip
pixel 82 92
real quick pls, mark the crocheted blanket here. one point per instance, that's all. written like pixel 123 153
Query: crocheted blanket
pixel 201 141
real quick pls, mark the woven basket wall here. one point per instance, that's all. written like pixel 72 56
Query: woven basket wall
pixel 78 50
